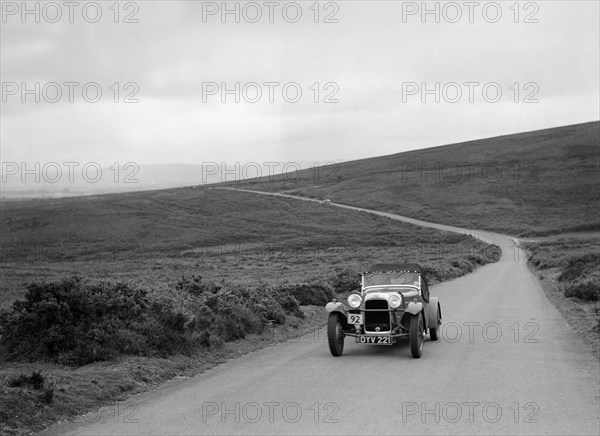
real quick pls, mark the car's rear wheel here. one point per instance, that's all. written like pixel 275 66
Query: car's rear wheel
pixel 335 335
pixel 416 335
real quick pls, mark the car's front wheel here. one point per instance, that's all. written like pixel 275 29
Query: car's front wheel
pixel 416 335
pixel 335 335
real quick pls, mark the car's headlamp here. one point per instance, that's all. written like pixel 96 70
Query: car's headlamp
pixel 395 301
pixel 354 301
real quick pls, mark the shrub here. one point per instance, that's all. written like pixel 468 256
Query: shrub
pixel 432 274
pixel 196 286
pixel 288 303
pixel 47 394
pixel 464 266
pixel 345 281
pixel 493 252
pixel 236 321
pixel 579 266
pixel 477 259
pixel 447 269
pixel 310 293
pixel 76 321
pixel 588 290
pixel 596 328
pixel 35 381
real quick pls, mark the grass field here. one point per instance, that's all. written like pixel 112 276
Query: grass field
pixel 152 241
pixel 158 236
pixel 534 183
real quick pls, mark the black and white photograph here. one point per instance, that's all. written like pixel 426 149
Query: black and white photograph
pixel 310 217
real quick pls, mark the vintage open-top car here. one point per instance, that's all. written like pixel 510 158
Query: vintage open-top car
pixel 394 302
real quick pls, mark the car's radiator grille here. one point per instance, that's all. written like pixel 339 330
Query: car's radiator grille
pixel 377 318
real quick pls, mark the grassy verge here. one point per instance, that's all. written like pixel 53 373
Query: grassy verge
pixel 568 269
pixel 93 389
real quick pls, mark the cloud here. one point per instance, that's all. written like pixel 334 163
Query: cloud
pixel 368 57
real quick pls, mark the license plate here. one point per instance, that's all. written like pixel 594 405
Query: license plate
pixel 383 340
pixel 355 318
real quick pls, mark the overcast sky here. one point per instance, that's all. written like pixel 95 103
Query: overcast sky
pixel 374 60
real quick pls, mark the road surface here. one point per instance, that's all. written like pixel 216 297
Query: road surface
pixel 506 363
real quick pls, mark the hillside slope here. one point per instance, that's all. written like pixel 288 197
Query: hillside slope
pixel 156 236
pixel 530 183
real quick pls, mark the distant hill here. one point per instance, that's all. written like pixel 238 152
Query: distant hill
pixel 18 181
pixel 539 182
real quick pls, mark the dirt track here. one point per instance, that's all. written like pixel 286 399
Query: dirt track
pixel 506 363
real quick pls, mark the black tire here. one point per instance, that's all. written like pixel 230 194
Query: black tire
pixel 335 335
pixel 433 331
pixel 416 334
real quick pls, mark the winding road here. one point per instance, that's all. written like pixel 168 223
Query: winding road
pixel 506 363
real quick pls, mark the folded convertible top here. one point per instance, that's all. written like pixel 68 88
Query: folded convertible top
pixel 395 267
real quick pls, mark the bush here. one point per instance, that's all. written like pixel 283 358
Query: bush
pixel 477 259
pixel 464 266
pixel 588 290
pixel 493 252
pixel 579 266
pixel 47 394
pixel 236 321
pixel 76 321
pixel 288 303
pixel 196 286
pixel 447 269
pixel 345 281
pixel 432 274
pixel 596 328
pixel 310 293
pixel 35 381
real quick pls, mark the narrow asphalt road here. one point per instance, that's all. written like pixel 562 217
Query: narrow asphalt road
pixel 506 363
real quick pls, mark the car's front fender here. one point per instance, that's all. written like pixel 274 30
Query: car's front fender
pixel 337 306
